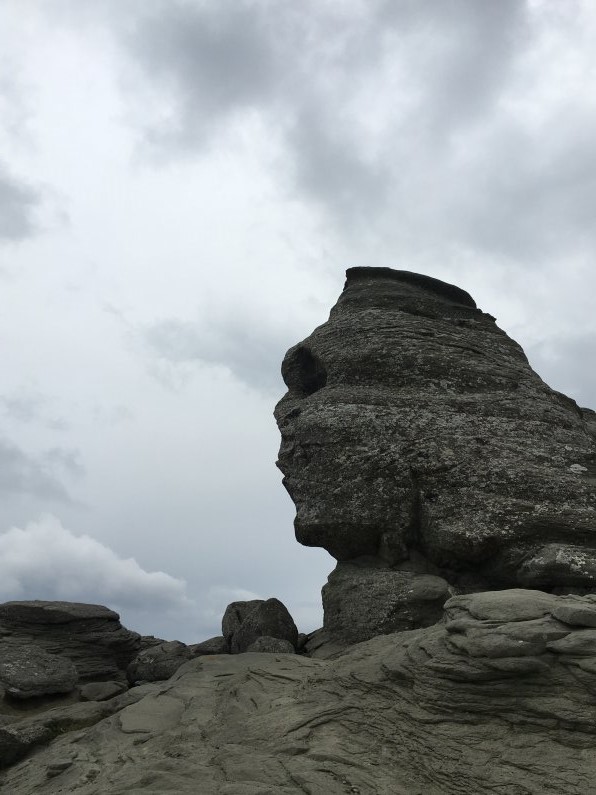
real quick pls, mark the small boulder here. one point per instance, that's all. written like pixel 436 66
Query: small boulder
pixel 158 662
pixel 235 614
pixel 216 645
pixel 271 645
pixel 270 618
pixel 27 671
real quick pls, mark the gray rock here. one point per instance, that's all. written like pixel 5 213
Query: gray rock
pixel 270 618
pixel 415 432
pixel 216 645
pixel 271 646
pixel 101 691
pixel 235 614
pixel 496 698
pixel 90 636
pixel 158 662
pixel 360 602
pixel 147 641
pixel 27 671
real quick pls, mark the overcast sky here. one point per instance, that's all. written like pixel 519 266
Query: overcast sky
pixel 182 186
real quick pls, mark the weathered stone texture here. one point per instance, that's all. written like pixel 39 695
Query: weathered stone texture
pixel 27 671
pixel 362 601
pixel 414 425
pixel 158 662
pixel 244 622
pixel 90 636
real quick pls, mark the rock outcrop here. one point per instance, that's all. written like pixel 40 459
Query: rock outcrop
pixel 91 637
pixel 498 697
pixel 415 432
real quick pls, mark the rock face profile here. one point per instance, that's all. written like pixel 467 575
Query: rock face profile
pixel 415 435
pixel 457 493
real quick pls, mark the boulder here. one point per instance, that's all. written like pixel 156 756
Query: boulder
pixel 270 618
pixel 27 671
pixel 90 636
pixel 362 601
pixel 271 645
pixel 216 645
pixel 234 615
pixel 158 662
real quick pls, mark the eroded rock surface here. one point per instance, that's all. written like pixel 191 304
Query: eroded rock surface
pixel 498 697
pixel 413 427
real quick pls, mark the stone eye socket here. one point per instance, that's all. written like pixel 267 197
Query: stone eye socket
pixel 303 371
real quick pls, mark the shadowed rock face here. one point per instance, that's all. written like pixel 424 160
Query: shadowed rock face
pixel 414 431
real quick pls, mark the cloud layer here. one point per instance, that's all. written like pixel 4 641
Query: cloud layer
pixel 44 560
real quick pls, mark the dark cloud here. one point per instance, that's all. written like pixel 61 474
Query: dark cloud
pixel 212 61
pixel 413 120
pixel 21 474
pixel 248 349
pixel 18 205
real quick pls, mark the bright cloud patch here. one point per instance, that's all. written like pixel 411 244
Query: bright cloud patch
pixel 46 561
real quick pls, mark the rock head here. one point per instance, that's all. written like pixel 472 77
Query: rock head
pixel 416 435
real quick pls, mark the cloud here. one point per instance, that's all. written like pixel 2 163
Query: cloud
pixel 44 560
pixel 429 125
pixel 18 205
pixel 217 598
pixel 251 349
pixel 22 474
pixel 29 407
pixel 211 60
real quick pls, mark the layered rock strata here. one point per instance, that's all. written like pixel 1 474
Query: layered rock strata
pixel 416 434
pixel 90 636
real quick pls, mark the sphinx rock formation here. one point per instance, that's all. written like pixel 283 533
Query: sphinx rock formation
pixel 457 493
pixel 424 454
